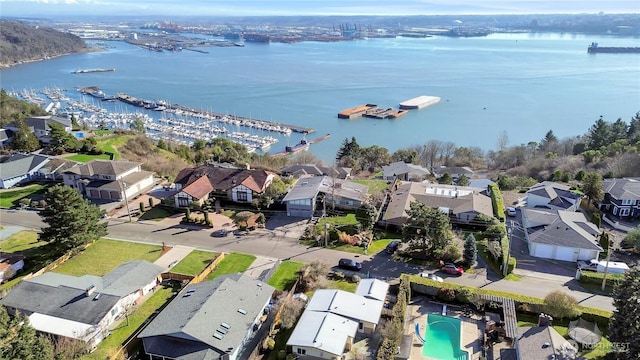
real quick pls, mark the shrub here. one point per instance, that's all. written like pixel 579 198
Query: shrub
pixel 387 349
pixel 338 275
pixel 463 295
pixel 451 253
pixel 561 305
pixel 141 207
pixel 497 201
pixel 445 294
pixel 355 278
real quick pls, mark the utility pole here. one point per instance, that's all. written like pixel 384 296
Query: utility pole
pixel 326 224
pixel 126 201
pixel 606 266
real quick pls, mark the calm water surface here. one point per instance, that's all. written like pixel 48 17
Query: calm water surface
pixel 524 84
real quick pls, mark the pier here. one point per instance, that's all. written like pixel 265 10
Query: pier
pixel 302 145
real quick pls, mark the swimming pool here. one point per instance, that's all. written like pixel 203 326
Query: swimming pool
pixel 442 335
pixel 79 135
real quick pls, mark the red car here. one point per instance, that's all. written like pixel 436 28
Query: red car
pixel 452 269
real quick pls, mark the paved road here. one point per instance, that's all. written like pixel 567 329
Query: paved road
pixel 276 245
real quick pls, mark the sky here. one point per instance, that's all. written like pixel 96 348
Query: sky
pixel 52 8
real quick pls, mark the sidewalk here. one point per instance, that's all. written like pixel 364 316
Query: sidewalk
pixel 9 230
pixel 261 267
pixel 173 256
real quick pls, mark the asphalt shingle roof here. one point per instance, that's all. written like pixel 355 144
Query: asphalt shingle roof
pixel 561 228
pixel 20 164
pixel 223 179
pixel 103 167
pixel 625 188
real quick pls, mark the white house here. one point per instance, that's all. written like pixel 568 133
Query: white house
pixel 332 318
pixel 403 171
pixel 82 308
pixel 560 235
pixel 114 180
pixel 20 168
pixel 10 264
pixel 552 195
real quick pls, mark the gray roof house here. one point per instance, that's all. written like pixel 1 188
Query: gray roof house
pixel 83 307
pixel 302 199
pixel 112 180
pixel 463 204
pixel 39 125
pixel 302 170
pixel 20 168
pixel 6 136
pixel 209 320
pixel 552 195
pixel 454 171
pixel 621 197
pixel 560 235
pixel 543 343
pixel 329 323
pixel 403 171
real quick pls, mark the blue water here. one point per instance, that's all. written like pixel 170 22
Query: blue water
pixel 524 84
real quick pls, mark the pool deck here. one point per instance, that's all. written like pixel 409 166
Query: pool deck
pixel 418 310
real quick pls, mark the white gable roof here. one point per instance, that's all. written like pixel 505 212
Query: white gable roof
pixel 324 331
pixel 346 304
pixel 373 289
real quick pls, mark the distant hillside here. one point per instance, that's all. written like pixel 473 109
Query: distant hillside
pixel 20 43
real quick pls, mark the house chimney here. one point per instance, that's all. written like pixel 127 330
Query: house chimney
pixel 90 290
pixel 545 320
pixel 248 166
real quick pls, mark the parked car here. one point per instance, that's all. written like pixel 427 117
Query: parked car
pixel 511 211
pixel 220 233
pixel 349 264
pixel 392 247
pixel 588 265
pixel 433 277
pixel 452 269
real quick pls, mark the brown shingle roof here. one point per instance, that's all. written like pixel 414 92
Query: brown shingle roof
pixel 199 188
pixel 225 179
pixel 104 167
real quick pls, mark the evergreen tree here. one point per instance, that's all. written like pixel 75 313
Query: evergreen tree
pixel 24 139
pixel 592 187
pixel 366 215
pixel 72 220
pixel 428 229
pixel 137 125
pixel 624 326
pixel 445 179
pixel 18 339
pixel 348 148
pixel 599 134
pixel 633 132
pixel 548 143
pixel 617 131
pixel 463 180
pixel 470 253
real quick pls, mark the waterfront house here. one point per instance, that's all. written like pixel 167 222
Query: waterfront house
pixel 21 168
pixel 309 193
pixel 82 308
pixel 621 197
pixel 553 195
pixel 462 204
pixel 403 171
pixel 209 320
pixel 112 180
pixel 232 184
pixel 560 234
pixel 303 170
pixel 10 264
pixel 332 318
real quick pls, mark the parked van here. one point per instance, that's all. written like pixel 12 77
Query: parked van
pixel 615 267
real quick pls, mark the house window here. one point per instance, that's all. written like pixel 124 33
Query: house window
pixel 183 201
pixel 242 196
pixel 302 351
pixel 624 212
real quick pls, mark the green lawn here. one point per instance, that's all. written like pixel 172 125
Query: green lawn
pixel 336 222
pixel 121 333
pixel 375 186
pixel 10 198
pixel 105 255
pixel 110 144
pixel 103 132
pixel 343 285
pixel 20 242
pixel 286 274
pixel 155 214
pixel 194 263
pixel 232 263
pixel 83 158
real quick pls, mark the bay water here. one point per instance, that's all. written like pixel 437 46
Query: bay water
pixel 521 84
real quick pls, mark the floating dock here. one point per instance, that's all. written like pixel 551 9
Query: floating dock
pixel 302 145
pixel 355 112
pixel 419 102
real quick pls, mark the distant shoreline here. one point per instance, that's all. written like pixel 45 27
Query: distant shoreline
pixel 22 62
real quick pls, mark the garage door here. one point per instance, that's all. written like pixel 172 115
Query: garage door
pixel 566 254
pixel 543 251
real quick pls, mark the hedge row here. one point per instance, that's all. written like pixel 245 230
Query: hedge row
pixel 389 346
pixel 526 303
pixel 497 201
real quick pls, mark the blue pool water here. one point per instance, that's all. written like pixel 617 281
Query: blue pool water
pixel 79 135
pixel 442 335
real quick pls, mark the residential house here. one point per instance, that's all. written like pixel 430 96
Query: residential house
pixel 39 125
pixel 541 343
pixel 332 318
pixel 309 192
pixel 10 264
pixel 403 171
pixel 232 184
pixel 560 235
pixel 455 171
pixel 209 320
pixel 303 170
pixel 553 195
pixel 621 197
pixel 82 308
pixel 6 136
pixel 21 168
pixel 462 204
pixel 113 180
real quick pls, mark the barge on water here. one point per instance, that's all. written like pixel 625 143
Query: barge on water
pixel 419 102
pixel 371 111
pixel 594 48
pixel 87 71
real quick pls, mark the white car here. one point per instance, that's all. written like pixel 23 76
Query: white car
pixel 511 211
pixel 433 277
